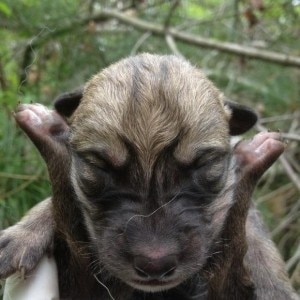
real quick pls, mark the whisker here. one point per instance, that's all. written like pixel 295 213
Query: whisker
pixel 107 289
pixel 152 213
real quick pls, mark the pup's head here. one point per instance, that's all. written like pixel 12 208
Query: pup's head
pixel 151 166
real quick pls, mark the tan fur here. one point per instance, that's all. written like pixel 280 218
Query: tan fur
pixel 128 88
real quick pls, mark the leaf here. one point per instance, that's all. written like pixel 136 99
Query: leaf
pixel 197 11
pixel 5 9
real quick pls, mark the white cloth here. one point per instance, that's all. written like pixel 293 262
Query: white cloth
pixel 41 284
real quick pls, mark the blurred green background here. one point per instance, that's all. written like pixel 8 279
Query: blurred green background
pixel 50 47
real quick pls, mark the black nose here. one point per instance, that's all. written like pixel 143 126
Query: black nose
pixel 157 268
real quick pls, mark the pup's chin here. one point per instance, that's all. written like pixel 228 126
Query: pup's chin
pixel 153 285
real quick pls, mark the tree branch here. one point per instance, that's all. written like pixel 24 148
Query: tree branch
pixel 159 30
pixel 249 52
pixel 174 5
pixel 140 42
pixel 172 45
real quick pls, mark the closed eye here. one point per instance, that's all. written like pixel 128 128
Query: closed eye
pixel 103 158
pixel 212 173
pixel 206 157
pixel 95 160
pixel 212 161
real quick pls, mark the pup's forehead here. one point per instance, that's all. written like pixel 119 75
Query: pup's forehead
pixel 150 101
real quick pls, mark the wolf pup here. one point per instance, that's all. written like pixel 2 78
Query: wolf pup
pixel 147 194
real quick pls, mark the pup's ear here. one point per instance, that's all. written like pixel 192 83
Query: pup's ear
pixel 67 103
pixel 242 118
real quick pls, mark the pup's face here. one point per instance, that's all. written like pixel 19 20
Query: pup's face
pixel 151 169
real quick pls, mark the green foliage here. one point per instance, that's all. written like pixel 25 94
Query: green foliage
pixel 197 11
pixel 5 9
pixel 22 176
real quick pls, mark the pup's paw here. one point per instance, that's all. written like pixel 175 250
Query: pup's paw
pixel 255 156
pixel 39 122
pixel 20 250
pixel 45 128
